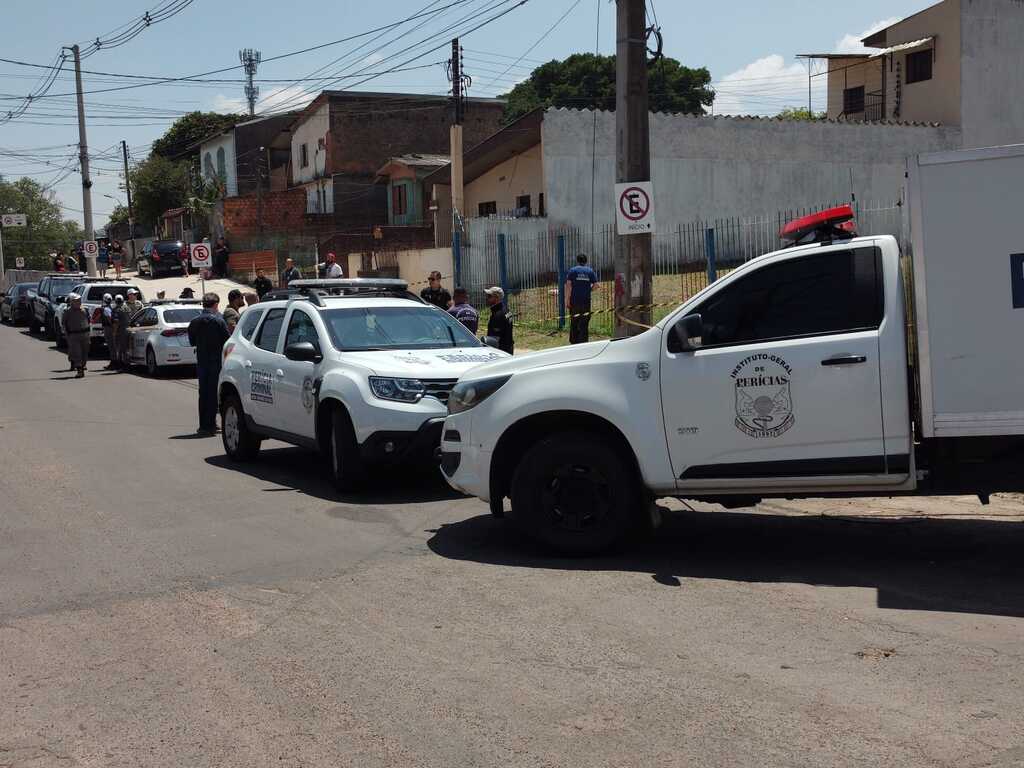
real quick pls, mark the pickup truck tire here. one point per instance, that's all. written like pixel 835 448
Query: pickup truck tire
pixel 152 369
pixel 239 443
pixel 575 494
pixel 346 465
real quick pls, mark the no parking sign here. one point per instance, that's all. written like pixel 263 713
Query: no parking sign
pixel 201 256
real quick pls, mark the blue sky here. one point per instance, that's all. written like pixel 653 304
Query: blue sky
pixel 748 46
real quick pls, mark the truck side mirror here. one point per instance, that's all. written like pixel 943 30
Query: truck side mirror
pixel 491 341
pixel 688 334
pixel 303 351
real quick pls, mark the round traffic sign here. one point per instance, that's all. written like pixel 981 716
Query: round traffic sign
pixel 200 255
pixel 91 247
pixel 634 203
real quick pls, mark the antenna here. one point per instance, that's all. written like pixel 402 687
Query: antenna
pixel 250 60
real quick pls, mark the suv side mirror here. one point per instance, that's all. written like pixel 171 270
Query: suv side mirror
pixel 491 341
pixel 303 351
pixel 687 334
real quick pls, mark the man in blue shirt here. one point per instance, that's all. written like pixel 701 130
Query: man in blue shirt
pixel 208 333
pixel 579 282
pixel 463 311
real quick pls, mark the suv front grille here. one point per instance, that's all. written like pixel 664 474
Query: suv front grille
pixel 439 388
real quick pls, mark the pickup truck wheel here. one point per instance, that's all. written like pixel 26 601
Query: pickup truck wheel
pixel 239 443
pixel 152 369
pixel 345 462
pixel 574 494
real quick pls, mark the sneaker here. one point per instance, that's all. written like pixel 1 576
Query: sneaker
pixel 80 374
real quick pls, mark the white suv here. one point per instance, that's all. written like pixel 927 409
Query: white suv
pixel 358 369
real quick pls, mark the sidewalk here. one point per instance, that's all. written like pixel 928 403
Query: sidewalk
pixel 173 286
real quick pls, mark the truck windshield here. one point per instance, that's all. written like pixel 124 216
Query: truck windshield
pixel 61 286
pixel 376 328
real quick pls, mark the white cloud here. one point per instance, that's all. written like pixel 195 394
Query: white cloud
pixel 853 44
pixel 271 99
pixel 766 87
pixel 373 58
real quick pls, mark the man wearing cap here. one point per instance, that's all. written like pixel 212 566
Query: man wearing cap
pixel 132 303
pixel 236 302
pixel 208 333
pixel 463 311
pixel 499 326
pixel 121 321
pixel 331 268
pixel 76 329
pixel 435 293
pixel 291 272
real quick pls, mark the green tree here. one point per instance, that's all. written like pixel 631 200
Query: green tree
pixel 587 81
pixel 800 113
pixel 46 231
pixel 158 184
pixel 191 129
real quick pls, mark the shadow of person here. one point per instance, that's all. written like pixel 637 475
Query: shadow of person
pixel 956 565
pixel 303 471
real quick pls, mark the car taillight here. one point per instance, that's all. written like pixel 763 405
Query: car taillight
pixel 174 332
pixel 228 349
pixel 156 256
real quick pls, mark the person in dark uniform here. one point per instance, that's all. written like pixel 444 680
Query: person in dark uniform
pixel 498 325
pixel 435 293
pixel 291 272
pixel 262 284
pixel 207 333
pixel 579 282
pixel 221 257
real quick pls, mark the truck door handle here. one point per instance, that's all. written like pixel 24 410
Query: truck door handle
pixel 280 373
pixel 844 360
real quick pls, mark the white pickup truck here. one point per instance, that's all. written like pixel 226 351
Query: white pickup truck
pixel 837 368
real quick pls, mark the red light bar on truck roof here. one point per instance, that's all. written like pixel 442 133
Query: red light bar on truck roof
pixel 838 221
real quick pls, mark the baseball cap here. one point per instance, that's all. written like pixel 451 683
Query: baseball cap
pixel 495 291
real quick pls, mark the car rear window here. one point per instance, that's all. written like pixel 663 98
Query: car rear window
pixel 181 315
pixel 96 291
pixel 168 248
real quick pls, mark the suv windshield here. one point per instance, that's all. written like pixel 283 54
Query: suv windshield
pixel 374 328
pixel 61 286
pixel 96 292
pixel 181 315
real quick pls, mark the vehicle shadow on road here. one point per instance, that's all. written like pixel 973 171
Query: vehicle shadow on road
pixel 963 566
pixel 303 471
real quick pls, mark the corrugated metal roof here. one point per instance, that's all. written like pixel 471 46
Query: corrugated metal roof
pixel 904 46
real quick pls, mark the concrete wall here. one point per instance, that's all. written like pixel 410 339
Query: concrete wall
pixel 415 266
pixel 210 154
pixel 716 167
pixel 310 132
pixel 992 62
pixel 521 175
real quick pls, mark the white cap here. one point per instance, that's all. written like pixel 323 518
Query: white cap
pixel 495 291
pixel 132 291
pixel 74 297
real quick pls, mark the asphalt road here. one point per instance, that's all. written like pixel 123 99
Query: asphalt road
pixel 160 606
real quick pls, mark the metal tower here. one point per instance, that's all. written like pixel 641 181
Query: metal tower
pixel 250 59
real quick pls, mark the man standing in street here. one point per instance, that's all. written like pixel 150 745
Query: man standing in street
pixel 221 256
pixel 133 305
pixel 76 330
pixel 207 333
pixel 331 269
pixel 107 322
pixel 498 325
pixel 121 319
pixel 435 293
pixel 291 272
pixel 463 311
pixel 262 284
pixel 579 282
pixel 236 303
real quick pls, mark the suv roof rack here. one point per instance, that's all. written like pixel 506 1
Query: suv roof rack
pixel 361 287
pixel 163 302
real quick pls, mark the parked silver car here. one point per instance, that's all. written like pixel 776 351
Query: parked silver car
pixel 158 335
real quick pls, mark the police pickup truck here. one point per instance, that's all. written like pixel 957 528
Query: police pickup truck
pixel 359 369
pixel 834 368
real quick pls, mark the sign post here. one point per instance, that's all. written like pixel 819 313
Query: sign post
pixel 201 258
pixel 9 220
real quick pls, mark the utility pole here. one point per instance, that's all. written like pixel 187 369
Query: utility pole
pixel 83 159
pixel 258 167
pixel 632 163
pixel 458 193
pixel 131 212
pixel 250 59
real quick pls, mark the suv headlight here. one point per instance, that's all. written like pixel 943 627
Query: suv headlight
pixel 469 394
pixel 399 390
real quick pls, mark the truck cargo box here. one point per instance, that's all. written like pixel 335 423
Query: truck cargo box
pixel 967 237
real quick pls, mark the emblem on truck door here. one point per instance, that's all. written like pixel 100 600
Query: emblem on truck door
pixel 764 401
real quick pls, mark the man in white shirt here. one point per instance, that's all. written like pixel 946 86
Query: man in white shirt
pixel 331 268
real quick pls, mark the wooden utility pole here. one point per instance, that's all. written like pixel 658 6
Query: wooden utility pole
pixel 632 163
pixel 131 212
pixel 458 193
pixel 83 159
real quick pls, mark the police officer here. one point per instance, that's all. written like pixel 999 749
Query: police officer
pixel 76 329
pixel 262 284
pixel 579 282
pixel 121 320
pixel 435 293
pixel 107 322
pixel 207 333
pixel 133 303
pixel 498 325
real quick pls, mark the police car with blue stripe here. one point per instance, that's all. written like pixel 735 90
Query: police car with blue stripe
pixel 357 369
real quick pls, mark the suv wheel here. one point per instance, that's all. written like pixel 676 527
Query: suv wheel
pixel 152 369
pixel 239 443
pixel 345 462
pixel 574 494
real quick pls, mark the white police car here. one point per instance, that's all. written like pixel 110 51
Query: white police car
pixel 158 334
pixel 357 369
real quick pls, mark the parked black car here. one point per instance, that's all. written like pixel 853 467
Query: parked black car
pixel 53 290
pixel 162 257
pixel 16 303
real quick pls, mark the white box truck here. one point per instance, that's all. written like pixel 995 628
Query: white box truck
pixel 836 368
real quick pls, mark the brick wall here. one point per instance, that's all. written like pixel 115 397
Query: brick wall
pixel 281 211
